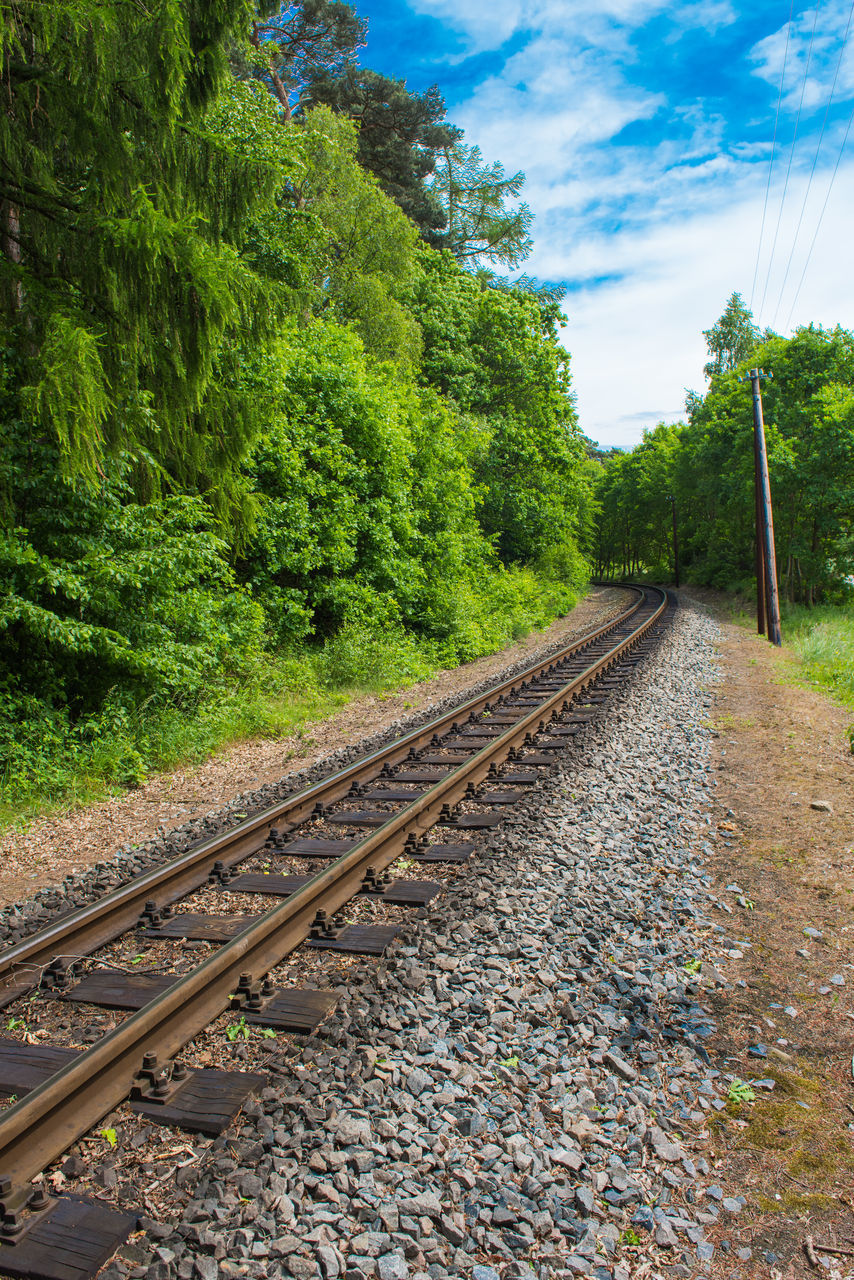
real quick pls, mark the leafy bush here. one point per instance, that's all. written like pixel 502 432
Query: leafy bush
pixel 137 594
pixel 360 658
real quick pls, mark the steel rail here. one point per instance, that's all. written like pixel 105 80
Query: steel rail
pixel 83 930
pixel 42 1125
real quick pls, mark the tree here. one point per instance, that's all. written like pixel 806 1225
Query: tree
pixel 121 214
pixel 400 135
pixel 495 353
pixel 330 242
pixel 302 42
pixel 473 195
pixel 809 419
pixel 732 339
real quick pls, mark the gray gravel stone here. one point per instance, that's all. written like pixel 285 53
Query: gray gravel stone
pixel 499 1086
pixel 391 1266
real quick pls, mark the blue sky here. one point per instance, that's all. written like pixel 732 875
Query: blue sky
pixel 645 130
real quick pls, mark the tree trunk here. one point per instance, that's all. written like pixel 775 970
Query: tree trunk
pixel 278 87
pixel 11 237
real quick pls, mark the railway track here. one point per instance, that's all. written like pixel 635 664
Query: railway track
pixel 304 860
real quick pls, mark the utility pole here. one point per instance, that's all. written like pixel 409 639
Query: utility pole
pixel 765 520
pixel 760 550
pixel 672 502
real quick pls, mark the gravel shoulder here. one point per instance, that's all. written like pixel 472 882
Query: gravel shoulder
pixel 52 848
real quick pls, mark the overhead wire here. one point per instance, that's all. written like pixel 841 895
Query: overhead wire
pixel 814 164
pixel 773 150
pixel 820 218
pixel 791 158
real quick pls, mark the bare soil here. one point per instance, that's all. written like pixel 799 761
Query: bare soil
pixel 788 1014
pixel 52 848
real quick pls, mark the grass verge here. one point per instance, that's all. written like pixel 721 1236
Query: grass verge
pixel 822 637
pixel 50 761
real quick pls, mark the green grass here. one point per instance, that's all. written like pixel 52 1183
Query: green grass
pixel 55 765
pixel 49 762
pixel 823 638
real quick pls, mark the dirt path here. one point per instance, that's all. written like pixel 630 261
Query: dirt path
pixel 54 847
pixel 784 861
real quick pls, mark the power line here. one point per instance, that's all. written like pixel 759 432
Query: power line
pixel 773 148
pixel 821 217
pixel 815 162
pixel 791 158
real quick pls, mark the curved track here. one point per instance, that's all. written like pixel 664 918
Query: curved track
pixel 457 772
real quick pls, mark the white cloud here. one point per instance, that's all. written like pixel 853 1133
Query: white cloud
pixel 815 41
pixel 639 342
pixel 655 229
pixel 569 19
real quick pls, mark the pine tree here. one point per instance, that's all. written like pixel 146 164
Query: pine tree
pixel 303 41
pixel 480 226
pixel 119 220
pixel 400 137
pixel 732 339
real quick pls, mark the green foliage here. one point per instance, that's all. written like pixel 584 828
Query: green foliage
pixel 100 589
pixel 120 215
pixel 635 514
pixel 479 225
pixel 740 1091
pixel 50 756
pixel 707 466
pixel 238 1030
pixel 400 134
pixel 732 340
pixel 300 42
pixel 260 447
pixel 823 638
pixel 495 353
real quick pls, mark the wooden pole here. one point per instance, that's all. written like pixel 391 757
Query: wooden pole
pixel 760 554
pixel 772 597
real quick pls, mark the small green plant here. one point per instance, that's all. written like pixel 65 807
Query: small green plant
pixel 630 1238
pixel 109 1135
pixel 17 1024
pixel 137 959
pixel 740 1091
pixel 512 1061
pixel 238 1030
pixel 268 1033
pixel 693 966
